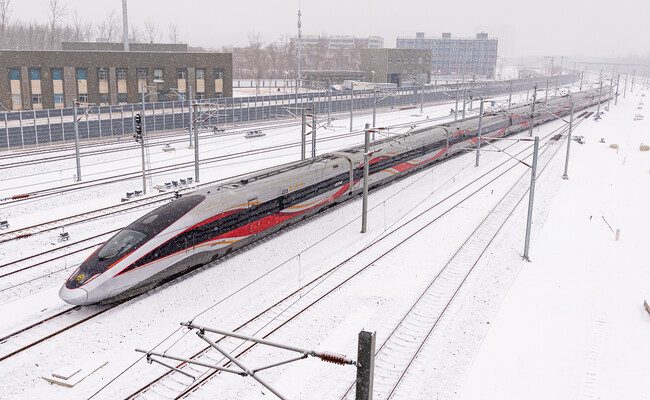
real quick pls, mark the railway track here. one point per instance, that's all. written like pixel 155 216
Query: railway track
pixel 402 346
pixel 17 198
pixel 298 301
pixel 38 332
pixel 174 385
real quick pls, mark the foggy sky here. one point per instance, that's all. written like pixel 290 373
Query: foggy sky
pixel 549 27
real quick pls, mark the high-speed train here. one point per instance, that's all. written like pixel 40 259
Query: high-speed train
pixel 206 224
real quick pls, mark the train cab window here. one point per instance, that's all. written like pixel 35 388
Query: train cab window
pixel 121 243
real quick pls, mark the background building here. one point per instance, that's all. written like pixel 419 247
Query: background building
pixel 399 66
pixel 55 79
pixel 456 56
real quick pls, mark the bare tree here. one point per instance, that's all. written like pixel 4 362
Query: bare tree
pixel 5 13
pixel 136 35
pixel 109 28
pixel 81 31
pixel 55 11
pixel 173 33
pixel 151 30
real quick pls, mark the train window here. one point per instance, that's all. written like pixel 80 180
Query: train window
pixel 121 243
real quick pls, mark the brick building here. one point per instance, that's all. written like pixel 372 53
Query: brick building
pixel 55 79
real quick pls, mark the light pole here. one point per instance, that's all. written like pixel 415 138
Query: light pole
pixel 618 81
pixel 568 145
pixel 464 101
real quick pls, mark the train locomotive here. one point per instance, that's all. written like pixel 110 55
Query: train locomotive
pixel 206 224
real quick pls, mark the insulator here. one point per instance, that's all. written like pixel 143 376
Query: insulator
pixel 334 358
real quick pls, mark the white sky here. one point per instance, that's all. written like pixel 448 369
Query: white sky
pixel 524 27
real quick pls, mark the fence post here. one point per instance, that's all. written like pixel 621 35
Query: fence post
pixel 365 365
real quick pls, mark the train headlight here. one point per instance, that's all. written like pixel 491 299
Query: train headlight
pixel 80 278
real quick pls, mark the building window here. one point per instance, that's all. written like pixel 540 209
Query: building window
pixel 83 97
pixel 158 74
pixel 218 73
pixel 103 98
pixel 181 73
pixel 200 96
pixel 35 74
pixel 57 74
pixel 16 99
pixel 120 73
pixel 122 98
pixel 14 74
pixel 102 74
pixel 200 74
pixel 37 99
pixel 58 98
pixel 82 74
pixel 142 74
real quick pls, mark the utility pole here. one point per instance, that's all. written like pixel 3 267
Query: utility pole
pixel 633 74
pixel 374 108
pixel 299 48
pixel 365 365
pixel 546 95
pixel 191 115
pixel 625 88
pixel 196 148
pixel 142 145
pixel 303 144
pixel 456 106
pixel 582 75
pixel 464 101
pixel 532 112
pixel 366 150
pixel 531 198
pixel 480 125
pixel 600 93
pixel 313 135
pixel 568 145
pixel 76 139
pixel 351 106
pixel 611 86
pixel 329 99
pixel 421 99
pixel 510 97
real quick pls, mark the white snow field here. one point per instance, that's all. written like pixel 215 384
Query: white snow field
pixel 570 323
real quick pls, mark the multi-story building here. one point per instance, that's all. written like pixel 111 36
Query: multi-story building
pixel 457 56
pixel 399 66
pixel 55 79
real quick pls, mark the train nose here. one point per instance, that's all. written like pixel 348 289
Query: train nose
pixel 73 296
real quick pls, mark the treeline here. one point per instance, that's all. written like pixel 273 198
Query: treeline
pixel 65 25
pixel 257 60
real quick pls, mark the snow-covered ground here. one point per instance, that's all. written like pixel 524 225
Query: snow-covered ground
pixel 573 325
pixel 559 347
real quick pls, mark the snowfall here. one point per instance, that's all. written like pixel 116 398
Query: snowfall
pixel 568 324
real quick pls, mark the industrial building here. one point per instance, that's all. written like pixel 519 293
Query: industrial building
pixel 55 79
pixel 399 66
pixel 450 56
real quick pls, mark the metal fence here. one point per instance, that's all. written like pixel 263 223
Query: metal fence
pixel 21 129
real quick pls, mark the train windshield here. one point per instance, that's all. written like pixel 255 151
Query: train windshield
pixel 121 243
